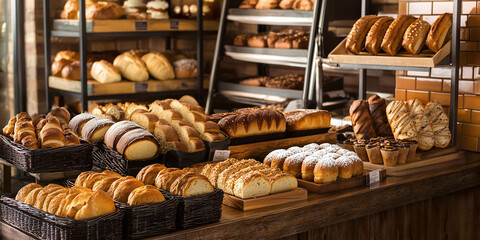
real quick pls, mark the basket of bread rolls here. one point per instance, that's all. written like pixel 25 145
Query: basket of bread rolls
pixel 304 122
pixel 44 143
pixel 199 202
pixel 147 211
pixel 56 212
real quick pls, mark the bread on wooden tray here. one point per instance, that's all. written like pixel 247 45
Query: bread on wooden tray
pixel 422 124
pixel 439 122
pixel 392 41
pixel 440 32
pixel 131 67
pixel 105 72
pixel 305 119
pixel 251 122
pixel 356 38
pixel 159 66
pixel 415 36
pixel 376 33
pixel 400 121
pixel 378 107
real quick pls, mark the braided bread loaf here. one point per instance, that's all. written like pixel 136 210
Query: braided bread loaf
pixel 422 124
pixel 401 122
pixel 439 121
pixel 250 122
pixel 361 120
pixel 378 107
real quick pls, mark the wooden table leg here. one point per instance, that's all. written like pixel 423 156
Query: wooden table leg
pixel 6 172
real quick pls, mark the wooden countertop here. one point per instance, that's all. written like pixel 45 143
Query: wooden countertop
pixel 325 209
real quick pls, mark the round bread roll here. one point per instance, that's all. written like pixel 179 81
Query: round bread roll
pixel 57 66
pixel 50 196
pixel 104 10
pixel 148 174
pixel 68 55
pixel 62 114
pixel 325 171
pixel 43 194
pixel 72 71
pixel 131 67
pixel 345 167
pixel 124 189
pixel 145 195
pixel 357 165
pixel 308 167
pixel 293 164
pixel 279 157
pixel 93 178
pixel 185 68
pixel 25 190
pixel 104 184
pixel 159 66
pixel 105 72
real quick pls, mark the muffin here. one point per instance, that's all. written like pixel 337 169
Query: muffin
pixel 412 150
pixel 373 152
pixel 389 154
pixel 359 147
pixel 403 150
pixel 348 144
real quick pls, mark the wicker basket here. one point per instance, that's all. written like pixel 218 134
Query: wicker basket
pixel 180 159
pixel 105 158
pixel 211 147
pixel 199 210
pixel 62 159
pixel 48 226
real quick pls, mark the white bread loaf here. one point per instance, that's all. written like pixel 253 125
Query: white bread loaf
pixel 138 144
pixel 158 66
pixel 95 129
pixel 105 72
pixel 252 184
pixel 131 67
pixel 116 131
pixel 145 119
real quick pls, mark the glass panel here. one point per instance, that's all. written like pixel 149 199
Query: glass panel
pixel 4 83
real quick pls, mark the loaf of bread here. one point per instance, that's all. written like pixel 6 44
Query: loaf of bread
pixel 167 137
pixel 57 66
pixel 62 114
pixel 422 124
pixel 439 122
pixel 305 119
pixel 378 107
pixel 286 4
pixel 77 122
pixel 138 144
pixel 148 174
pixel 185 68
pixel 51 134
pixel 124 188
pixel 266 4
pixel 166 177
pixel 356 38
pixel 392 42
pixel 440 33
pixel 72 71
pixel 159 66
pixel 361 120
pixel 376 34
pixel 72 56
pixel 190 185
pixel 131 67
pixel 95 129
pixel 145 119
pixel 303 5
pixel 250 122
pixel 104 10
pixel 258 40
pixel 415 36
pixel 241 40
pixel 145 195
pixel 105 72
pixel 400 121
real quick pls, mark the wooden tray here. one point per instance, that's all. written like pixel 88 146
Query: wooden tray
pixel 298 194
pixel 125 87
pixel 428 161
pixel 426 58
pixel 339 184
pixel 261 149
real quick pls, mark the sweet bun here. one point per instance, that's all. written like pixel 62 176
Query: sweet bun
pixel 97 204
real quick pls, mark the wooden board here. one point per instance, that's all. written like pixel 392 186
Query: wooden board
pixel 125 87
pixel 426 58
pixel 298 194
pixel 132 25
pixel 339 184
pixel 261 149
pixel 436 160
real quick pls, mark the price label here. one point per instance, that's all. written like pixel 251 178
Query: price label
pixel 221 155
pixel 174 24
pixel 294 105
pixel 141 26
pixel 141 86
pixel 374 178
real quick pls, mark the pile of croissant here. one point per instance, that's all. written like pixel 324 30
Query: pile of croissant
pixel 42 131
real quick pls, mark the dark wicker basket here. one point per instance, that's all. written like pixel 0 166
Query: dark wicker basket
pixel 149 220
pixel 62 159
pixel 199 210
pixel 105 158
pixel 48 226
pixel 211 147
pixel 180 159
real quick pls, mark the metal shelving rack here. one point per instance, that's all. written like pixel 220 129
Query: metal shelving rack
pixel 83 36
pixel 453 62
pixel 306 60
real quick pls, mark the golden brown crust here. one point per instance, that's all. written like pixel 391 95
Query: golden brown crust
pixel 148 174
pixel 145 195
pixel 25 190
pixel 392 42
pixel 304 119
pixel 415 35
pixel 376 34
pixel 356 38
pixel 440 33
pixel 361 120
pixel 104 10
pixel 378 106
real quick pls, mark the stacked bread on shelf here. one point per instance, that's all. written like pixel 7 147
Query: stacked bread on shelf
pixel 77 202
pixel 66 64
pixel 245 178
pixel 126 190
pixel 287 81
pixel 304 5
pixel 322 163
pixel 93 10
pixel 374 34
pixel 286 39
pixel 175 181
pixel 307 119
pixel 42 131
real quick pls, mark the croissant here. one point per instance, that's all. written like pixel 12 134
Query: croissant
pixel 378 106
pixel 401 122
pixel 361 120
pixel 422 124
pixel 439 121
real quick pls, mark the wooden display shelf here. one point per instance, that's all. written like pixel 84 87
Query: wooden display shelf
pixel 259 150
pixel 426 58
pixel 426 161
pixel 132 25
pixel 298 194
pixel 339 184
pixel 125 87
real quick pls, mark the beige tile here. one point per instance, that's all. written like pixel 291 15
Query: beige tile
pixel 469 7
pixel 418 73
pixel 442 7
pixel 441 73
pixel 467 72
pixel 420 8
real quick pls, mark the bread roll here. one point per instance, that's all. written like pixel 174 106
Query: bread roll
pixel 131 67
pixel 25 190
pixel 58 66
pixel 93 178
pixel 356 38
pixel 51 135
pixel 326 171
pixel 82 177
pixel 77 122
pixel 392 42
pixel 72 71
pixel 145 119
pixel 266 4
pixel 95 129
pixel 105 72
pixel 159 66
pixel 345 167
pixel 104 184
pixel 97 204
pixel 61 113
pixel 166 177
pixel 124 189
pixel 308 167
pixel 415 35
pixel 138 144
pixel 67 55
pixel 439 121
pixel 440 33
pixel 401 122
pixel 114 185
pixel 303 5
pixel 293 164
pixel 189 100
pixel 361 120
pixel 104 10
pixel 145 195
pixel 70 137
pixel 422 124
pixel 190 185
pixel 185 68
pixel 305 119
pixel 376 34
pixel 148 174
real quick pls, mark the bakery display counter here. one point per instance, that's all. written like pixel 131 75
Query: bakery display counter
pixel 274 56
pixel 271 16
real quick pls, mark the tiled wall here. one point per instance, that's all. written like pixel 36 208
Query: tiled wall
pixel 435 85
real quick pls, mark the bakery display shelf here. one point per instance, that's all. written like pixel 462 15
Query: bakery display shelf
pixel 259 150
pixel 70 28
pixel 273 56
pixel 427 161
pixel 298 194
pixel 402 61
pixel 285 93
pixel 339 185
pixel 95 88
pixel 271 16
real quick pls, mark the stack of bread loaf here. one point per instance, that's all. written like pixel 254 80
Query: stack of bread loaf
pixel 77 202
pixel 319 163
pixel 250 122
pixel 286 39
pixel 127 190
pixel 175 181
pixel 384 33
pixel 42 131
pixel 245 178
pixel 304 5
pixel 93 10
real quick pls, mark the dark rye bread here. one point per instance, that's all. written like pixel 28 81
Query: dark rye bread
pixel 116 131
pixel 138 144
pixel 77 123
pixel 96 128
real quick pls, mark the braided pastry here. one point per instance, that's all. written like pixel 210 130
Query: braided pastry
pixel 378 106
pixel 422 124
pixel 401 122
pixel 439 121
pixel 361 120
